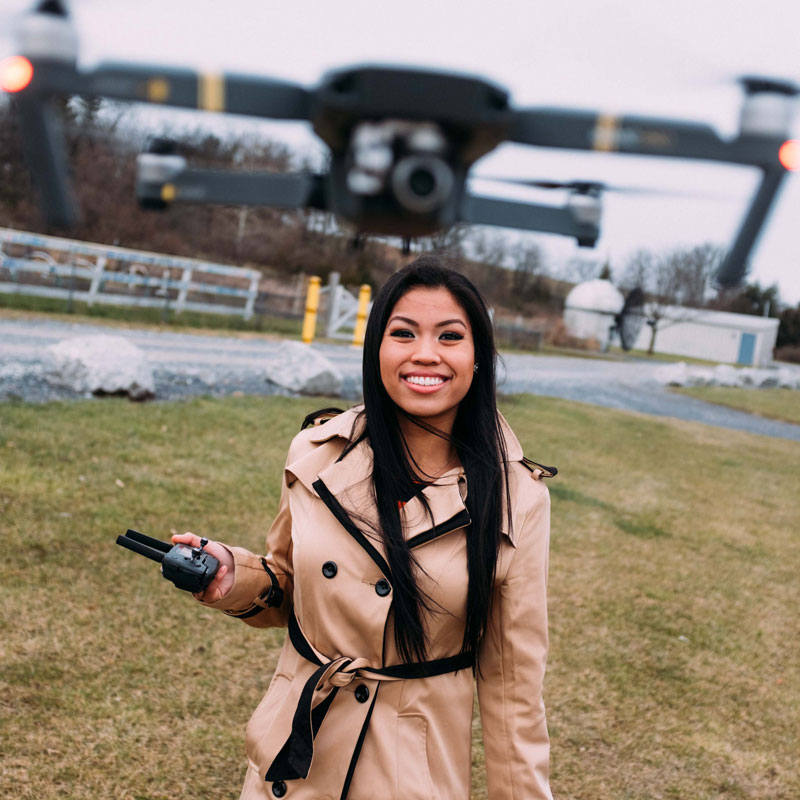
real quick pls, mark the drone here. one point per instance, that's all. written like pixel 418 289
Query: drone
pixel 402 141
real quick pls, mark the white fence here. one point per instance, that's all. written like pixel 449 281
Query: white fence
pixel 342 308
pixel 49 266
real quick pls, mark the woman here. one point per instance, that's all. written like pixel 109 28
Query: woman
pixel 409 553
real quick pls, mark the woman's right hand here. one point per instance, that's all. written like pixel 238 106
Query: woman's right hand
pixel 223 580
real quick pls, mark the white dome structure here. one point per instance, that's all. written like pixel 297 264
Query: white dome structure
pixel 590 308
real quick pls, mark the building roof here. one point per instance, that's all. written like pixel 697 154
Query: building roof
pixel 719 319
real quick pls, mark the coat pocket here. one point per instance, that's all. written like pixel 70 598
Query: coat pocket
pixel 413 774
pixel 263 717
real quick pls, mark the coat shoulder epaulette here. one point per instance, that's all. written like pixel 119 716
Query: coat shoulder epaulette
pixel 539 470
pixel 320 417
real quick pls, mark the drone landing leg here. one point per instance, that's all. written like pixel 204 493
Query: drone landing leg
pixel 735 265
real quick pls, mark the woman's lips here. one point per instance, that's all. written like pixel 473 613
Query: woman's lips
pixel 424 384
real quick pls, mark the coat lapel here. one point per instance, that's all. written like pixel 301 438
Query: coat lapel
pixel 349 480
pixel 446 510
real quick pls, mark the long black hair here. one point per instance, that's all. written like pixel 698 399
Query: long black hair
pixel 478 440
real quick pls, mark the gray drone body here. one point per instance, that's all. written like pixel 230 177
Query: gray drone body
pixel 402 142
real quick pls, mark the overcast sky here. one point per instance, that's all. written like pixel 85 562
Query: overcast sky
pixel 676 58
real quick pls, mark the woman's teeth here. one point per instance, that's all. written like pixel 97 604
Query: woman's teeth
pixel 424 381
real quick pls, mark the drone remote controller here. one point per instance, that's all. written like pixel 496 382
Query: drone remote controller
pixel 189 568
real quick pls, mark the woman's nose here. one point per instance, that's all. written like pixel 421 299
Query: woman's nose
pixel 426 351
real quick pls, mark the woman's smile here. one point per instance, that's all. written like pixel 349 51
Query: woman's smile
pixel 424 383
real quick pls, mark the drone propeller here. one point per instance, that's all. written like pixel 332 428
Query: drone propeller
pixel 597 187
pixel 756 84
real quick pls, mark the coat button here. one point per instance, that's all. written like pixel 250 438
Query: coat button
pixel 362 693
pixel 329 569
pixel 382 587
pixel 279 788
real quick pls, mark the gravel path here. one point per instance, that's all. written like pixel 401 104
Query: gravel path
pixel 190 364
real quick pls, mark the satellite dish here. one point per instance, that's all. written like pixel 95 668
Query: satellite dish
pixel 629 321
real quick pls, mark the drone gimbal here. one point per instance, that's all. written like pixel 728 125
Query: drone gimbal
pixel 402 141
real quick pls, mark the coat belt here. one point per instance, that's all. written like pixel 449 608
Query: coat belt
pixel 294 758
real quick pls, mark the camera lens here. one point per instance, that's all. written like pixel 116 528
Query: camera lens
pixel 422 184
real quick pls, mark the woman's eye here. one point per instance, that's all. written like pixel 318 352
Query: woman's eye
pixel 451 336
pixel 402 333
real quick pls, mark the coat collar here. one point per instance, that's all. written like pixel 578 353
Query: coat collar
pixel 342 426
pixel 349 480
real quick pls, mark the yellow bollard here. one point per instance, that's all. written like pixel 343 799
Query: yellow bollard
pixel 364 294
pixel 312 304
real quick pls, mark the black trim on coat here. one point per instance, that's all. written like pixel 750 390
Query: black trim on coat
pixel 460 520
pixel 359 744
pixel 335 507
pixel 294 758
pixel 247 614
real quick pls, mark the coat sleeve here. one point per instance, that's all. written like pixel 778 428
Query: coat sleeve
pixel 252 577
pixel 512 664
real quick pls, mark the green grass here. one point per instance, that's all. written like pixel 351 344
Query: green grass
pixel 22 305
pixel 674 669
pixel 783 404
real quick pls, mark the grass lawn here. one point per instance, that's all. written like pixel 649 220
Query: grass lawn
pixel 783 404
pixel 675 648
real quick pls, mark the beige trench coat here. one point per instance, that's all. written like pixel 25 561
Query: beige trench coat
pixel 329 713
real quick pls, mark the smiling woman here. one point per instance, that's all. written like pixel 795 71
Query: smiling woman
pixel 427 356
pixel 409 555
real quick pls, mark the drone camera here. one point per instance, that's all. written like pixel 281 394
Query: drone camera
pixel 422 184
pixel 401 162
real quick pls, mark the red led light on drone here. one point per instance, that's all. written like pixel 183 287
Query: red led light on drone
pixel 789 154
pixel 16 73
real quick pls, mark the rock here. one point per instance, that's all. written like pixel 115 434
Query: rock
pixel 672 374
pixel 302 369
pixel 725 375
pixel 681 374
pixel 788 377
pixel 100 364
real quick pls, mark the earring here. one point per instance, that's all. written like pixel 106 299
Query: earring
pixel 475 368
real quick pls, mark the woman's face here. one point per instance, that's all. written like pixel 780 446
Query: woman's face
pixel 427 355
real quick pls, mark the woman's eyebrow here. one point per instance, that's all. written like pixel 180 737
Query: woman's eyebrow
pixel 415 324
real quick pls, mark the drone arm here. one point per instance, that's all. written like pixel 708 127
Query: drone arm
pixel 527 216
pixel 183 88
pixel 45 153
pixel 232 188
pixel 637 135
pixel 734 266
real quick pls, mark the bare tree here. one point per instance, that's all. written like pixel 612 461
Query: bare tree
pixel 692 271
pixel 447 240
pixel 582 268
pixel 489 248
pixel 526 278
pixel 679 277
